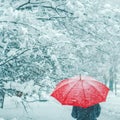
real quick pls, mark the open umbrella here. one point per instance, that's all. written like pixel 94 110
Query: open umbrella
pixel 80 91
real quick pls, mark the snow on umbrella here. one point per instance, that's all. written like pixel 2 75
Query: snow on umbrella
pixel 81 91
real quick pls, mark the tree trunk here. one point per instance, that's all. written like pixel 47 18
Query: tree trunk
pixel 111 82
pixel 115 87
pixel 105 80
pixel 2 95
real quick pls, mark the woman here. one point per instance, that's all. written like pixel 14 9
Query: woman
pixel 90 113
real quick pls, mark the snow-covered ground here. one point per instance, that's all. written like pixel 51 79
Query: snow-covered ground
pixel 53 110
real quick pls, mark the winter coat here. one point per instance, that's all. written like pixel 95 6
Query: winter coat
pixel 90 113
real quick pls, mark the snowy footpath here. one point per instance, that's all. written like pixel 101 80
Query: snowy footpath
pixel 53 110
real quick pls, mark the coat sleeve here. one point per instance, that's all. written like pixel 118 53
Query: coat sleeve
pixel 97 110
pixel 74 112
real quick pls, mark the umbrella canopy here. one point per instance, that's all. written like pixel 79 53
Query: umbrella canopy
pixel 80 91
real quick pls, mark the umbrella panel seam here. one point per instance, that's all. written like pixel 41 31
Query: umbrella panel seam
pixel 70 91
pixel 95 89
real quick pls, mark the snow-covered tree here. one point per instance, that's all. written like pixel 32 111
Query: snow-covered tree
pixel 51 40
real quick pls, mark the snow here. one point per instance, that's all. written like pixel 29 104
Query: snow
pixel 35 111
pixel 53 110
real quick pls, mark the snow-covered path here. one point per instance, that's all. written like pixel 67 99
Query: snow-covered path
pixel 108 115
pixel 110 108
pixel 52 110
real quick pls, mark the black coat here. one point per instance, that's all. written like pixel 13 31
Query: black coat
pixel 90 113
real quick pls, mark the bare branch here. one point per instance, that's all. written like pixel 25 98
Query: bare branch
pixel 45 6
pixel 34 4
pixel 57 17
pixel 59 9
pixel 24 107
pixel 13 57
pixel 24 24
pixel 35 101
pixel 23 5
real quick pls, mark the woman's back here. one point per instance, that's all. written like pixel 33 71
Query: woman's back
pixel 90 113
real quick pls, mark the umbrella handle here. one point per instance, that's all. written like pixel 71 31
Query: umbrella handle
pixel 80 76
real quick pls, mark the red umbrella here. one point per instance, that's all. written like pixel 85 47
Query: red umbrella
pixel 80 91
